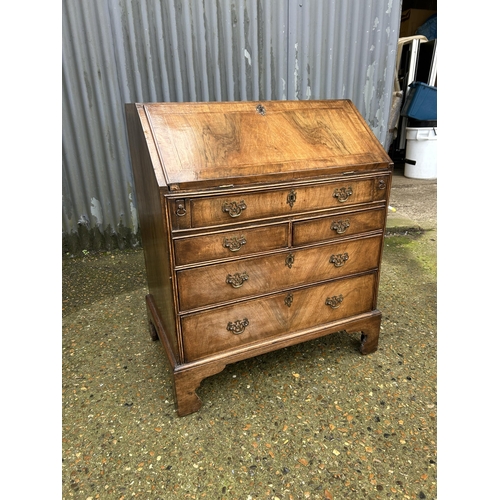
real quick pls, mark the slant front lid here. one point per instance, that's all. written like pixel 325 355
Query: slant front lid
pixel 203 145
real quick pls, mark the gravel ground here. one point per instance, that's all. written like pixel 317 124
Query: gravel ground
pixel 313 421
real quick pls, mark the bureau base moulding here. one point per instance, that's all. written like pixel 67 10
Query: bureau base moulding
pixel 187 377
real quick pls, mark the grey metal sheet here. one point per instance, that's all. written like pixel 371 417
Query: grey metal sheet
pixel 118 51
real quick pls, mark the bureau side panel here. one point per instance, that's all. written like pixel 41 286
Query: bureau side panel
pixel 153 225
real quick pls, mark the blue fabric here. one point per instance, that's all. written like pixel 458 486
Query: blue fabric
pixel 429 28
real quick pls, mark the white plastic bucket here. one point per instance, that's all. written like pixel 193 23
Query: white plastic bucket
pixel 421 149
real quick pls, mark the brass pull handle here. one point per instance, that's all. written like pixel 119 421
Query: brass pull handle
pixel 237 280
pixel 339 260
pixel 335 301
pixel 234 244
pixel 233 208
pixel 238 326
pixel 181 208
pixel 289 260
pixel 342 194
pixel 340 226
pixel 291 198
pixel 289 300
pixel 381 184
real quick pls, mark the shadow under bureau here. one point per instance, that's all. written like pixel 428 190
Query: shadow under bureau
pixel 262 226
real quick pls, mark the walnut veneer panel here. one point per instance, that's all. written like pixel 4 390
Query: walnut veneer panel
pixel 276 203
pixel 228 244
pixel 259 140
pixel 232 326
pixel 338 226
pixel 254 276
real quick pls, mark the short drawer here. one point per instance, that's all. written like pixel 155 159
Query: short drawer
pixel 236 326
pixel 216 210
pixel 217 283
pixel 194 249
pixel 327 228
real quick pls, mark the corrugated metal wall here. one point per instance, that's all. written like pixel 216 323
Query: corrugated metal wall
pixel 118 51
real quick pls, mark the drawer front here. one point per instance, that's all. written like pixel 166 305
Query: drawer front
pixel 251 206
pixel 327 228
pixel 234 326
pixel 255 276
pixel 191 250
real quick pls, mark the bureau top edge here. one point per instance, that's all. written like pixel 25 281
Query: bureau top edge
pixel 212 144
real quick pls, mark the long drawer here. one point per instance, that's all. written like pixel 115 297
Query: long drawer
pixel 228 281
pixel 216 210
pixel 234 326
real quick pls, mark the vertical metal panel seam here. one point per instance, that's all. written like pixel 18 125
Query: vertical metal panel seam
pixel 97 134
pixel 82 138
pixel 175 51
pixel 107 116
pixel 161 62
pixel 202 37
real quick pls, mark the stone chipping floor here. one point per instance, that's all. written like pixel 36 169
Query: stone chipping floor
pixel 312 421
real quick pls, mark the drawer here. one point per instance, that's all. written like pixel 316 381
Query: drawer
pixel 194 249
pixel 230 327
pixel 216 210
pixel 228 281
pixel 327 228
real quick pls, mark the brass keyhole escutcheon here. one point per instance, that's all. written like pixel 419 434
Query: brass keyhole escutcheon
pixel 289 300
pixel 289 260
pixel 291 198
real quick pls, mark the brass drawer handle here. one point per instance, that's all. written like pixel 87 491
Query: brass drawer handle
pixel 237 280
pixel 289 300
pixel 238 326
pixel 181 208
pixel 289 260
pixel 335 301
pixel 234 244
pixel 340 226
pixel 233 208
pixel 339 260
pixel 291 198
pixel 342 194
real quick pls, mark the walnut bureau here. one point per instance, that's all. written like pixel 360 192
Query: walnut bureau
pixel 262 226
